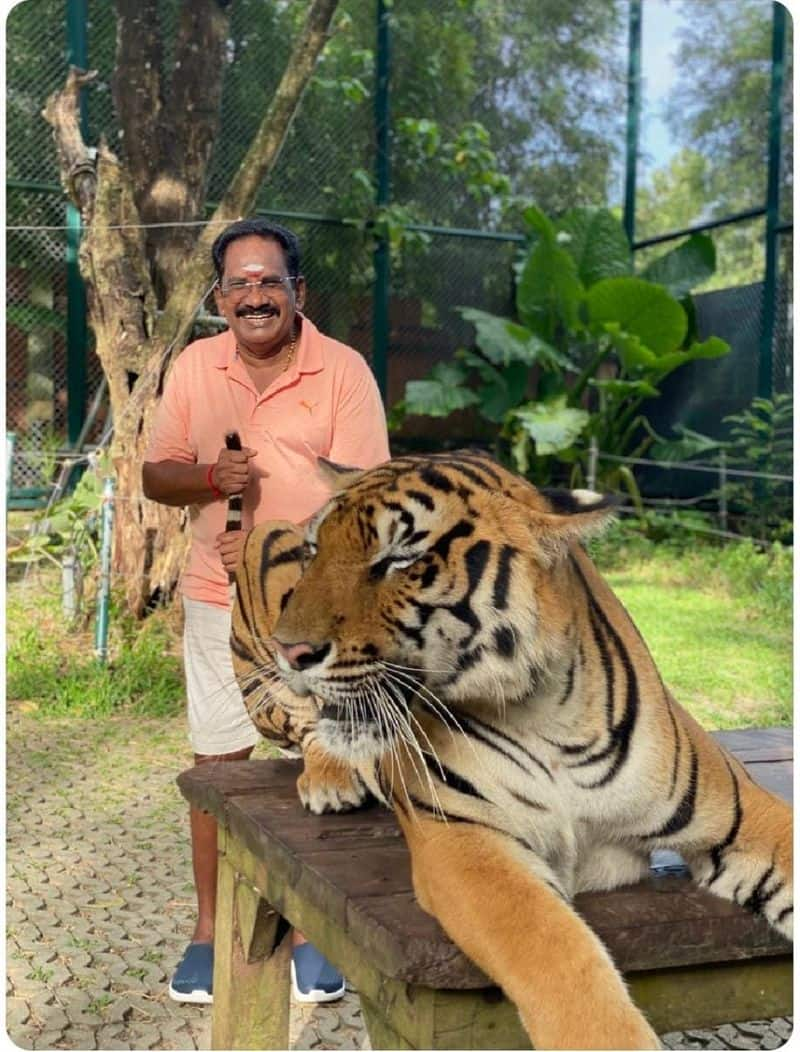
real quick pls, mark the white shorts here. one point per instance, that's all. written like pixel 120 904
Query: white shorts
pixel 218 720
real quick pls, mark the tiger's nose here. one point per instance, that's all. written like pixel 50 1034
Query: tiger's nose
pixel 302 655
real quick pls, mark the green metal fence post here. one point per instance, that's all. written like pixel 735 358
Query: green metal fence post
pixel 634 109
pixel 11 441
pixel 78 55
pixel 768 309
pixel 382 257
pixel 104 584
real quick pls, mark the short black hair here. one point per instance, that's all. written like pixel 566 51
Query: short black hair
pixel 287 239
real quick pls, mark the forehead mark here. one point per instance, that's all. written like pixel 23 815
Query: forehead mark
pixel 253 268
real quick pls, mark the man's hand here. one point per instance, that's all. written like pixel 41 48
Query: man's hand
pixel 230 546
pixel 231 472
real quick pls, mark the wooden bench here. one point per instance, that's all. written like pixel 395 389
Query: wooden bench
pixel 690 959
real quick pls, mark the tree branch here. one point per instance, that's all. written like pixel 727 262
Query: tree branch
pixel 137 92
pixel 75 161
pixel 121 298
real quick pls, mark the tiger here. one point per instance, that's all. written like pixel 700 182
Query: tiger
pixel 437 637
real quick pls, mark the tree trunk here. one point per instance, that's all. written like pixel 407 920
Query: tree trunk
pixel 130 270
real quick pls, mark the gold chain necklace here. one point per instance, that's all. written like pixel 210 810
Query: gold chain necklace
pixel 290 355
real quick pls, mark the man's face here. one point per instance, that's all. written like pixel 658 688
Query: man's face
pixel 261 319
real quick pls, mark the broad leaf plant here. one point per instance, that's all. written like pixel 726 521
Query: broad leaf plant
pixel 590 343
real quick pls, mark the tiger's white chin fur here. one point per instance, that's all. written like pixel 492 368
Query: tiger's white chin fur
pixel 366 744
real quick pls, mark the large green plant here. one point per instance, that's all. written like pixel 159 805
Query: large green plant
pixel 590 343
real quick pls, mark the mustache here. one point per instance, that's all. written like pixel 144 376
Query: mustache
pixel 264 308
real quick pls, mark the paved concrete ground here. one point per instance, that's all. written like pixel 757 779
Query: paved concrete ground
pixel 100 900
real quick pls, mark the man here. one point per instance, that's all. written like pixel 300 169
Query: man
pixel 292 394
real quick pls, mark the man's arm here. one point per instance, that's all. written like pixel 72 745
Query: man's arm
pixel 178 483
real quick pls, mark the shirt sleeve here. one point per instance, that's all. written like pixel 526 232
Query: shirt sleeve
pixel 360 439
pixel 170 437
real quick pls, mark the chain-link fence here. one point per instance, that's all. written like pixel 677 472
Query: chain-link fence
pixel 489 110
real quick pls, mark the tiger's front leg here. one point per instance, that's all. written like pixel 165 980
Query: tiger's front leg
pixel 527 938
pixel 270 567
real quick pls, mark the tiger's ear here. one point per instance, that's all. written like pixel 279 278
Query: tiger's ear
pixel 338 476
pixel 577 515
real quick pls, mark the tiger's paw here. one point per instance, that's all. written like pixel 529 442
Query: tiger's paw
pixel 328 784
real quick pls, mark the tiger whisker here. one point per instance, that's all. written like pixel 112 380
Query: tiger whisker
pixel 415 668
pixel 437 709
pixel 407 731
pixel 409 715
pixel 431 701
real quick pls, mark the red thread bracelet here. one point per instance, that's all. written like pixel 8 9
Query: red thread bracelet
pixel 218 494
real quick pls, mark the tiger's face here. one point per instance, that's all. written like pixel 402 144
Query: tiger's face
pixel 428 583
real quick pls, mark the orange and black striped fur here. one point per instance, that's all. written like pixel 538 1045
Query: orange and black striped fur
pixel 437 635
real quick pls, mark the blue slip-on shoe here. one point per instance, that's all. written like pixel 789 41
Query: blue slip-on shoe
pixel 314 979
pixel 193 978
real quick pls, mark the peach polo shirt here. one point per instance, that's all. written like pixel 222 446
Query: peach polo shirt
pixel 326 404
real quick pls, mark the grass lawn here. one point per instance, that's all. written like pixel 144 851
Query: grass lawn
pixel 718 622
pixel 728 664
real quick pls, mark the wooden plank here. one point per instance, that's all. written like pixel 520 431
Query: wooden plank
pixel 381 1033
pixel 777 777
pixel 670 922
pixel 757 738
pixel 677 999
pixel 479 1019
pixel 208 785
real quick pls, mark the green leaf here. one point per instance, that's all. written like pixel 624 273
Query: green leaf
pixel 486 370
pixel 441 393
pixel 684 268
pixel 549 290
pixel 503 392
pixel 491 334
pixel 635 357
pixel 713 347
pixel 626 388
pixel 551 425
pixel 689 444
pixel 538 223
pixel 520 444
pixel 597 242
pixel 504 341
pixel 645 310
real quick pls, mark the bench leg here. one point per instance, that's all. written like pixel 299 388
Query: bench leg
pixel 381 1033
pixel 252 951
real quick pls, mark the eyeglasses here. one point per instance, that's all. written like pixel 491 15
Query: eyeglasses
pixel 238 286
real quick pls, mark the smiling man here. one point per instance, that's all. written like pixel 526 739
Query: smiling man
pixel 292 394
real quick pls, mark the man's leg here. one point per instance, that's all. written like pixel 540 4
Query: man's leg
pixel 220 730
pixel 204 856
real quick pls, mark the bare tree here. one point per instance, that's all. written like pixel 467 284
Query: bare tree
pixel 144 281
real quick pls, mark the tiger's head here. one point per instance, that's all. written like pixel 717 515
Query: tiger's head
pixel 429 582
